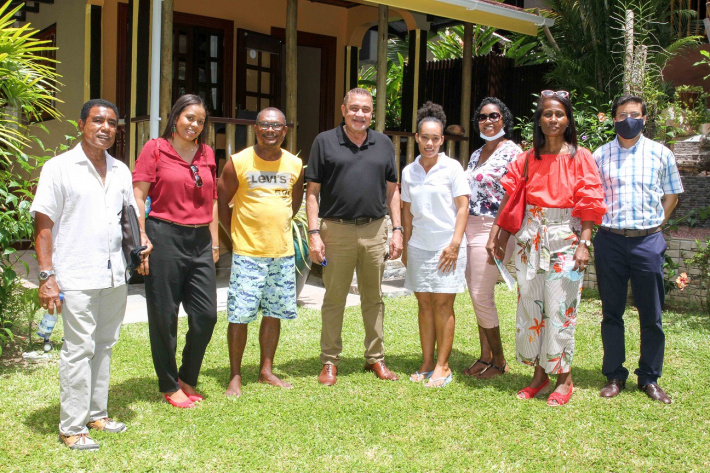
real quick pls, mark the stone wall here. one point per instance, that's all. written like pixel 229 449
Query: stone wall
pixel 678 250
pixel 696 195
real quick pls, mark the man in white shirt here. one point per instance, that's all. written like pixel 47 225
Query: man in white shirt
pixel 77 211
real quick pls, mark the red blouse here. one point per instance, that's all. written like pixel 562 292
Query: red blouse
pixel 556 181
pixel 173 193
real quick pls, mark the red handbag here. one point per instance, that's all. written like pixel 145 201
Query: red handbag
pixel 511 217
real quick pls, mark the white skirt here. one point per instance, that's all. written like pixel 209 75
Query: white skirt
pixel 423 274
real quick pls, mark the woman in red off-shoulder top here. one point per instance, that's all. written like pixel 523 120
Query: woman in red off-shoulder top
pixel 564 200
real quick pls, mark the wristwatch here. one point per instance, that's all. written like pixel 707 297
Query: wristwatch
pixel 586 243
pixel 401 229
pixel 45 274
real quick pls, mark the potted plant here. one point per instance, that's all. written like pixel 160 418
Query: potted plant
pixel 688 95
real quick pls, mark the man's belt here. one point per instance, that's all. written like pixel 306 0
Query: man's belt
pixel 357 221
pixel 630 232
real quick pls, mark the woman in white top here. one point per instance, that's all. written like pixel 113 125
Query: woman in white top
pixel 435 197
pixel 485 169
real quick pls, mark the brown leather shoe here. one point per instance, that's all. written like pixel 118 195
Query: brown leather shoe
pixel 382 372
pixel 654 391
pixel 613 387
pixel 328 374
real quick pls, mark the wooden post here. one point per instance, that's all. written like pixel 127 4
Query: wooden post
pixel 413 81
pixel 466 72
pixel 410 149
pixel 291 74
pixel 250 136
pixel 166 62
pixel 629 54
pixel 397 142
pixel 381 87
pixel 211 137
pixel 229 140
pixel 451 149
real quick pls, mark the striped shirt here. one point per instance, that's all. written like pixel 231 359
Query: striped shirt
pixel 634 182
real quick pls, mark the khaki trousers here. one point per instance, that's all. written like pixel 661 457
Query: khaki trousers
pixel 360 248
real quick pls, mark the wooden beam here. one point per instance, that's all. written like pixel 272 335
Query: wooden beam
pixel 292 73
pixel 166 62
pixel 466 72
pixel 381 84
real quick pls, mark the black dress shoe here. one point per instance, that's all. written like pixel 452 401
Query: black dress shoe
pixel 654 391
pixel 613 387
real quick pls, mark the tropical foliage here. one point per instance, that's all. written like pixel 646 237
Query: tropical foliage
pixel 393 96
pixel 587 44
pixel 27 85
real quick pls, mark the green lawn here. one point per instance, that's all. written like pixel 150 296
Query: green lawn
pixel 363 424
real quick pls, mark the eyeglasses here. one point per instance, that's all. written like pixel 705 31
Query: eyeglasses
pixel 196 175
pixel 624 115
pixel 266 125
pixel 563 94
pixel 493 117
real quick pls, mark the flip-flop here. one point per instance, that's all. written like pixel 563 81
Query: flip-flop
pixel 446 381
pixel 426 374
pixel 467 371
pixel 502 370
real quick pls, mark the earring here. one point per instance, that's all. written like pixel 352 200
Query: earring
pixel 174 131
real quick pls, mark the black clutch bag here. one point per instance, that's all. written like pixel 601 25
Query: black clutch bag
pixel 131 239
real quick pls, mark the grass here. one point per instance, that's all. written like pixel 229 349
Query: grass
pixel 366 425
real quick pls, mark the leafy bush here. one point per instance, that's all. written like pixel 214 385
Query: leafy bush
pixel 594 126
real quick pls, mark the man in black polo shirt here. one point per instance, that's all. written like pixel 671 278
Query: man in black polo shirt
pixel 353 171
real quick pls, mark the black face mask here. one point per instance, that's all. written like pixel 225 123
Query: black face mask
pixel 629 128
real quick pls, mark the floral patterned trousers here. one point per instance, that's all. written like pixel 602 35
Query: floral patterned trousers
pixel 548 289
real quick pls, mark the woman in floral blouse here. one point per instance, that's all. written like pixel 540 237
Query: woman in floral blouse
pixel 564 200
pixel 485 169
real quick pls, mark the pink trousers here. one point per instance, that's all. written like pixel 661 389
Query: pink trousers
pixel 481 277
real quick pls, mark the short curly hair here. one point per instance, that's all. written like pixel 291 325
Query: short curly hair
pixel 431 112
pixel 504 111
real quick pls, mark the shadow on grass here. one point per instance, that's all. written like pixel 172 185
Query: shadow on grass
pixel 120 403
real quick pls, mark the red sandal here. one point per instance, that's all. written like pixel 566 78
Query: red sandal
pixel 560 399
pixel 529 393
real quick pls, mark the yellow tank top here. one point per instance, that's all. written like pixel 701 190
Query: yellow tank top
pixel 261 219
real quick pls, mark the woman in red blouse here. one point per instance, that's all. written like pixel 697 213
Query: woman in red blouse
pixel 179 174
pixel 564 200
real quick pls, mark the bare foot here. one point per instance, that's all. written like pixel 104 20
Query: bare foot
pixel 272 379
pixel 235 386
pixel 178 396
pixel 478 367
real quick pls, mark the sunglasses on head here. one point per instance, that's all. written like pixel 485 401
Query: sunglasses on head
pixel 563 94
pixel 493 117
pixel 196 175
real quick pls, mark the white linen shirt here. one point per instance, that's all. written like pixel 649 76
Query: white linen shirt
pixel 432 201
pixel 86 236
pixel 634 181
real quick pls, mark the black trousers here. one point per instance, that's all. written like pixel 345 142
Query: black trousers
pixel 619 259
pixel 181 271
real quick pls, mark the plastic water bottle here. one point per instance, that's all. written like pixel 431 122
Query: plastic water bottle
pixel 47 326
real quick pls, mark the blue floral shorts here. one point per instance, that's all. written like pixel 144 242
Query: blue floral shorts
pixel 266 282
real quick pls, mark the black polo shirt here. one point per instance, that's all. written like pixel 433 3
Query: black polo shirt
pixel 353 179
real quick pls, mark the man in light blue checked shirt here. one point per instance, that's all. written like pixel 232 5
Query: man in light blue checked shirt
pixel 641 184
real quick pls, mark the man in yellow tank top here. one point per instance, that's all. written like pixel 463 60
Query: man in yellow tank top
pixel 266 183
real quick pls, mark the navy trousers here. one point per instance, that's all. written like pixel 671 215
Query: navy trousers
pixel 619 259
